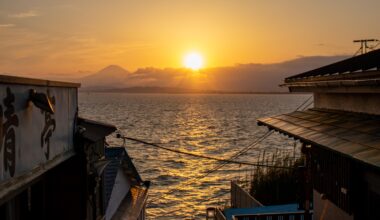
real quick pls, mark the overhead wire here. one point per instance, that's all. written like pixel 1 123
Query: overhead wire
pixel 237 154
pixel 374 47
pixel 221 194
pixel 222 162
pixel 306 101
pixel 202 156
pixel 217 167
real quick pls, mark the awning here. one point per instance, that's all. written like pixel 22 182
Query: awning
pixel 355 135
pixel 95 130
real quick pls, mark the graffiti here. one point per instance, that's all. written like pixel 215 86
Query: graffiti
pixel 48 129
pixel 7 132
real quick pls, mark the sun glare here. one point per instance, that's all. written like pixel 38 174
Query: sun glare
pixel 193 61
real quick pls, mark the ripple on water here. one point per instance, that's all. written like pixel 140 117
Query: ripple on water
pixel 216 125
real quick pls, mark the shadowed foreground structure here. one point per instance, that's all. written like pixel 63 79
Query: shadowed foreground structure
pixel 340 139
pixel 340 136
pixel 55 165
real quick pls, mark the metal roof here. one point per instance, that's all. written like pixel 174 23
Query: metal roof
pixel 358 67
pixel 94 130
pixel 355 135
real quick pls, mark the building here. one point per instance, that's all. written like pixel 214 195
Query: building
pixel 55 165
pixel 340 136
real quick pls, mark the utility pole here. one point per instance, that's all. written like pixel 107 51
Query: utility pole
pixel 363 44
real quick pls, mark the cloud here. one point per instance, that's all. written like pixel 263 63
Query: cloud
pixel 253 77
pixel 26 14
pixel 6 25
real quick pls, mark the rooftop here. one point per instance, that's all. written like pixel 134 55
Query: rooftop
pixel 94 130
pixel 36 82
pixel 365 66
pixel 355 135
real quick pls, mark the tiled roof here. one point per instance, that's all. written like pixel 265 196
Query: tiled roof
pixel 355 135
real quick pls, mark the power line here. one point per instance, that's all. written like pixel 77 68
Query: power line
pixel 224 161
pixel 374 47
pixel 219 166
pixel 203 156
pixel 300 106
pixel 236 155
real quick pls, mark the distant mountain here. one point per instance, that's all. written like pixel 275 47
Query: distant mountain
pixel 252 77
pixel 112 76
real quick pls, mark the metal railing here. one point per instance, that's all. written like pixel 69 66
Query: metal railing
pixel 277 216
pixel 242 199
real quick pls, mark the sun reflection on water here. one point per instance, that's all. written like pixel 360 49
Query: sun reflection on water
pixel 212 125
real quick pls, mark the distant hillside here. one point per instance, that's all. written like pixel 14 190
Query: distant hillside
pixel 250 77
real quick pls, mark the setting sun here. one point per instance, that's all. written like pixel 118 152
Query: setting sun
pixel 193 61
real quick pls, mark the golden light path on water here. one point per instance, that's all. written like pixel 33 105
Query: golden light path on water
pixel 214 125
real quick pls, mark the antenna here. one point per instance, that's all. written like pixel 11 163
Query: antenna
pixel 364 46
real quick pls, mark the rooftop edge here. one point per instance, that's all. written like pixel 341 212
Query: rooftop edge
pixel 35 82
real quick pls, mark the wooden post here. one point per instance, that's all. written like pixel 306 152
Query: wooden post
pixel 306 150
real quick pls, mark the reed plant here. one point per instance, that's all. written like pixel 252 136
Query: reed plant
pixel 271 185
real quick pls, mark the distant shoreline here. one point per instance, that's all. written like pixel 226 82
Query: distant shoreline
pixel 211 93
pixel 169 90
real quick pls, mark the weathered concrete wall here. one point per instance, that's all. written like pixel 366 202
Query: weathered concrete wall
pixel 364 103
pixel 326 210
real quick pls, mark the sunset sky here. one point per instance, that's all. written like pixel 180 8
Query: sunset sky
pixel 69 36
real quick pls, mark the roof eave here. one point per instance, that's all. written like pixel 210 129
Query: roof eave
pixel 345 86
pixel 350 67
pixel 308 135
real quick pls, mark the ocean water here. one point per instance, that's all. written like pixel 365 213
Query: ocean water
pixel 208 124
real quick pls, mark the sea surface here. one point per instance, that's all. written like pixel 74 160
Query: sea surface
pixel 216 125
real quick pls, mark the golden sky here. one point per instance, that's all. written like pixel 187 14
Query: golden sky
pixel 58 36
